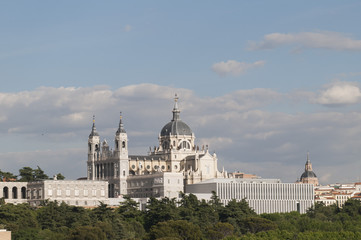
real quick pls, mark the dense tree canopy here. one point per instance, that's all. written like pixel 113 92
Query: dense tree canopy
pixel 187 219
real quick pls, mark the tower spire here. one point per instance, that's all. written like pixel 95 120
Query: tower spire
pixel 121 125
pixel 94 130
pixel 308 165
pixel 175 109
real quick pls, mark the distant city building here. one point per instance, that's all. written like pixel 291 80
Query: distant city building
pixel 263 195
pixel 308 176
pixel 337 193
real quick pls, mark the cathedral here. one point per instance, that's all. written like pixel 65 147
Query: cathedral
pixel 165 170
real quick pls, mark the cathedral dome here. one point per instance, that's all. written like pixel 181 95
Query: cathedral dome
pixel 308 174
pixel 176 127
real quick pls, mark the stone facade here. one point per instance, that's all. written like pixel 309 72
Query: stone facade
pixel 84 193
pixel 162 184
pixel 13 192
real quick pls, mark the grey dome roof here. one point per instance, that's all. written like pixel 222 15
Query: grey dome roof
pixel 176 127
pixel 308 174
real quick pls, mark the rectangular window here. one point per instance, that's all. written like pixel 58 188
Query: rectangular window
pixel 85 192
pixel 76 192
pixel 50 192
pixel 67 192
pixel 58 192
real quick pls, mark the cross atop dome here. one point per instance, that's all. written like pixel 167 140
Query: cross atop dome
pixel 175 109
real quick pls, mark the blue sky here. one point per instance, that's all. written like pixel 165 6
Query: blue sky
pixel 263 81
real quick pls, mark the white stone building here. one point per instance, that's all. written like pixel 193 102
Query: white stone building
pixel 162 184
pixel 263 195
pixel 73 192
pixel 13 192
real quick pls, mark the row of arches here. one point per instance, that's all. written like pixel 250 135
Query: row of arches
pixel 13 193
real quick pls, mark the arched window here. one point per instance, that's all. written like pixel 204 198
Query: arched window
pixel 184 145
pixel 116 144
pixel 96 147
pixel 123 144
pixel 23 192
pixel 6 192
pixel 15 193
pixel 165 145
pixel 90 147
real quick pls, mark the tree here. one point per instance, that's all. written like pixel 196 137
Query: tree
pixel 60 176
pixel 179 229
pixel 219 231
pixel 128 209
pixel 257 224
pixel 103 213
pixel 16 217
pixel 87 233
pixel 27 174
pixel 7 176
pixel 189 205
pixel 352 207
pixel 160 211
pixel 39 174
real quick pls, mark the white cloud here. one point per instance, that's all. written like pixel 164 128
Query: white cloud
pixel 339 93
pixel 234 68
pixel 302 40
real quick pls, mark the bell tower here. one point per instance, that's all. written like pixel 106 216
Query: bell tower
pixel 93 151
pixel 121 154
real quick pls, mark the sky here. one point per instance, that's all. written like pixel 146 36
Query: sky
pixel 261 82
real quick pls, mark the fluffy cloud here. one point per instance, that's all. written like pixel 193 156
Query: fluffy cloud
pixel 339 93
pixel 234 68
pixel 326 40
pixel 49 127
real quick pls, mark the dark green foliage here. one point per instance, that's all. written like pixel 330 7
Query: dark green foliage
pixel 219 231
pixel 16 217
pixel 87 233
pixel 179 229
pixel 60 176
pixel 160 211
pixel 128 210
pixel 27 174
pixel 188 219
